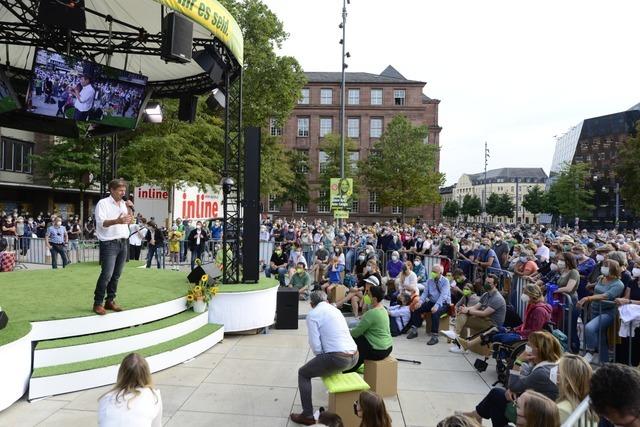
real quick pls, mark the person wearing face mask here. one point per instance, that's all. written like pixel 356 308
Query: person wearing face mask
pixel 295 258
pixel 629 309
pixel 9 231
pixel 334 276
pixel 278 264
pixel 538 372
pixel 301 280
pixel 526 267
pixel 489 312
pixel 56 241
pixel 420 272
pixel 155 244
pixel 608 288
pixel 434 302
pixel 448 250
pixel 568 284
pixel 542 251
pixel 197 240
pixel 486 257
pixel 394 268
pixel 501 249
pixel 585 267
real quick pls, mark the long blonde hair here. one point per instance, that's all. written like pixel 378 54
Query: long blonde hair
pixel 540 411
pixel 574 378
pixel 549 349
pixel 133 374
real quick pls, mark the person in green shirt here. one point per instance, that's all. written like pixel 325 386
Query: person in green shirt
pixel 300 280
pixel 373 335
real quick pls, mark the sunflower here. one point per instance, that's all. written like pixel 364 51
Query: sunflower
pixel 197 288
pixel 204 278
pixel 190 298
pixel 213 291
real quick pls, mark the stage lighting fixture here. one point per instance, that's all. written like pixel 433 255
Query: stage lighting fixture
pixel 227 184
pixel 153 112
pixel 219 96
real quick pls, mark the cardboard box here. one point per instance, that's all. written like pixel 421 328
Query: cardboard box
pixel 342 404
pixel 444 323
pixel 382 376
pixel 338 292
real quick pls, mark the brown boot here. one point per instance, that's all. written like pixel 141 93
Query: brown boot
pixel 111 305
pixel 98 309
pixel 301 419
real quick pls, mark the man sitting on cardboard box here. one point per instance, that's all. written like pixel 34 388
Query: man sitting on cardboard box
pixel 489 312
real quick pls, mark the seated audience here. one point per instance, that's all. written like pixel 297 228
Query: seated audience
pixel 435 301
pixel 400 314
pixel 458 420
pixel 133 400
pixel 329 419
pixel 300 280
pixel 574 376
pixel 334 275
pixel 615 395
pixel 277 265
pixel 536 410
pixel 371 408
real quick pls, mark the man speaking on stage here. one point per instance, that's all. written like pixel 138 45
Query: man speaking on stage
pixel 113 216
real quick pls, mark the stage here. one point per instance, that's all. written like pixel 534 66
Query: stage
pixel 55 344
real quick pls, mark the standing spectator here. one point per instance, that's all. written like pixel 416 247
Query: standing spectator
pixel 197 240
pixel 216 231
pixel 501 249
pixel 9 232
pixel 333 347
pixel 89 229
pixel 137 232
pixel 265 253
pixel 41 228
pixel 113 216
pixel 615 395
pixel 133 400
pixel 56 241
pixel 175 237
pixel 155 243
pixel 371 408
pixel 84 95
pixel 187 229
pixel 74 230
pixel 28 233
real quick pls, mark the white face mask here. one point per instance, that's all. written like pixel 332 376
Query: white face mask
pixel 394 257
pixel 524 298
pixel 553 267
pixel 604 271
pixel 561 265
pixel 599 258
pixel 523 259
pixel 635 272
pixel 58 223
pixel 198 227
pixel 416 263
pixel 528 349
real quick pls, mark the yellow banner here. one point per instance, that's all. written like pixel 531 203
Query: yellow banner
pixel 211 15
pixel 338 214
pixel 340 193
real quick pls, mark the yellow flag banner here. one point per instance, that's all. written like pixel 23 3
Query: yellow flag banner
pixel 211 15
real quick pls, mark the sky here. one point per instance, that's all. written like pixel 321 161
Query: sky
pixel 512 73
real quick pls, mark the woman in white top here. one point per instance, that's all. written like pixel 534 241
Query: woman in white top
pixel 133 401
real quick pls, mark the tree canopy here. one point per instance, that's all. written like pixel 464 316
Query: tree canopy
pixel 628 171
pixel 471 205
pixel 534 201
pixel 451 209
pixel 569 195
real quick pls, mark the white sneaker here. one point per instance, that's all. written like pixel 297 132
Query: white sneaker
pixel 457 350
pixel 449 334
pixel 588 357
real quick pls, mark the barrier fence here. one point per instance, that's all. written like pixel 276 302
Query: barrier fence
pixel 581 416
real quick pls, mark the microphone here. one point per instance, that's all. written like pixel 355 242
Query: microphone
pixel 126 199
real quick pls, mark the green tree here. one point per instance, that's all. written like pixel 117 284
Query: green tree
pixel 569 192
pixel 506 207
pixel 403 169
pixel 628 171
pixel 451 209
pixel 296 189
pixel 471 206
pixel 70 163
pixel 533 201
pixel 331 169
pixel 492 206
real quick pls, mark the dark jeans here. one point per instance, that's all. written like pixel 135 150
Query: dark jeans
pixel 134 252
pixel 416 318
pixel 183 251
pixel 366 352
pixel 282 271
pixel 58 248
pixel 320 366
pixel 493 406
pixel 113 255
pixel 153 250
pixel 393 325
pixel 196 252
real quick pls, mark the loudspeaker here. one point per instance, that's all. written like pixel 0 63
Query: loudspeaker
pixel 187 108
pixel 4 319
pixel 211 63
pixel 251 216
pixel 287 308
pixel 177 38
pixel 209 269
pixel 63 14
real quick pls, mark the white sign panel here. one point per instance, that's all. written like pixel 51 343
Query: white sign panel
pixel 190 202
pixel 153 202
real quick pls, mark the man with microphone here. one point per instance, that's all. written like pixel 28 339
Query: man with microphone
pixel 113 216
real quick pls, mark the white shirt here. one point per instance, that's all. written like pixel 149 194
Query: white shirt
pixel 410 283
pixel 543 253
pixel 107 208
pixel 328 331
pixel 84 101
pixel 145 410
pixel 136 238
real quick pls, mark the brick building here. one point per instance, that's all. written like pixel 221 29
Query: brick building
pixel 372 101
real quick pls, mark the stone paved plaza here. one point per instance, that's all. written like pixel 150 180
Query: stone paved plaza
pixel 251 380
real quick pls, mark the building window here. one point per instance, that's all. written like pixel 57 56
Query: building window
pixel 325 126
pixel 274 129
pixel 376 96
pixel 323 202
pixel 273 206
pixel 396 210
pixel 303 126
pixel 322 161
pixel 399 97
pixel 354 157
pixel 326 96
pixel 354 97
pixel 15 156
pixel 375 128
pixel 303 164
pixel 301 207
pixel 355 206
pixel 374 207
pixel 353 127
pixel 304 96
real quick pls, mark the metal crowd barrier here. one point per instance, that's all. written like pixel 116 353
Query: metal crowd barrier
pixel 581 416
pixel 613 332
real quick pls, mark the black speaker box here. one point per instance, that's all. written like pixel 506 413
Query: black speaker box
pixel 251 216
pixel 67 14
pixel 287 308
pixel 4 319
pixel 177 38
pixel 209 269
pixel 211 63
pixel 187 108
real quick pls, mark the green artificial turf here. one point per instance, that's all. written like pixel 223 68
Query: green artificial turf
pixel 120 333
pixel 117 358
pixel 36 295
pixel 263 283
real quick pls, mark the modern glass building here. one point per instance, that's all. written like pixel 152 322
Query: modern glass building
pixel 597 141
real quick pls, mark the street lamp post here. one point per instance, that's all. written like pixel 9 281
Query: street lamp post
pixel 617 191
pixel 343 89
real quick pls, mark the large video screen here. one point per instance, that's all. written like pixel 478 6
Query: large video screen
pixel 8 99
pixel 72 88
